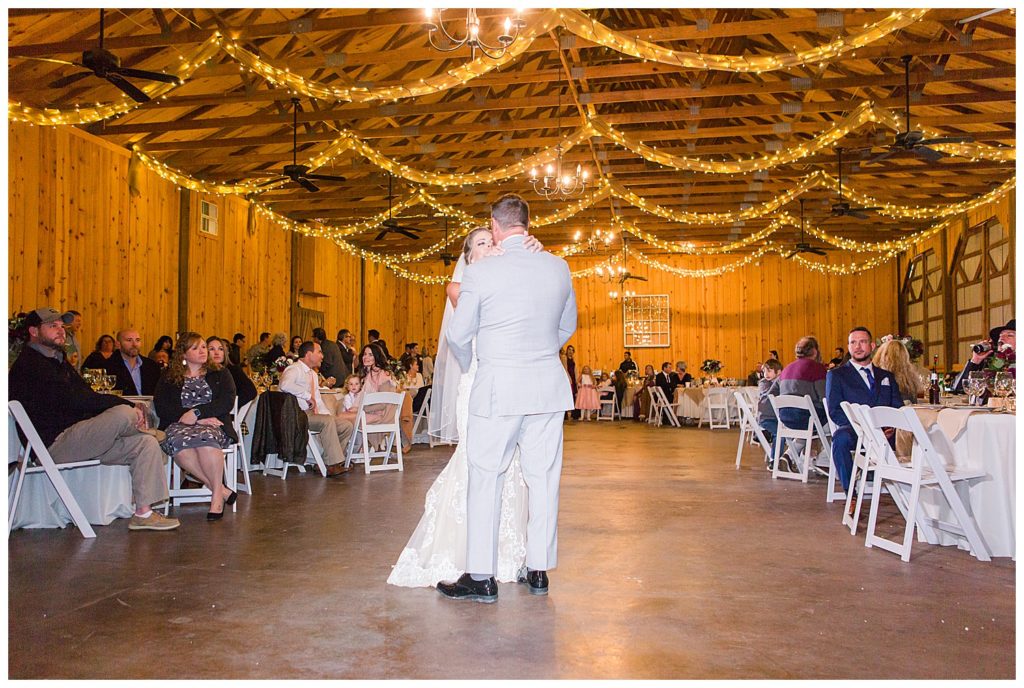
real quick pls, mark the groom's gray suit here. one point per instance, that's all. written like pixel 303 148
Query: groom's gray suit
pixel 521 309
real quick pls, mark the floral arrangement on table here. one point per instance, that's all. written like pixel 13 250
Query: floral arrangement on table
pixel 17 335
pixel 711 366
pixel 914 347
pixel 1003 361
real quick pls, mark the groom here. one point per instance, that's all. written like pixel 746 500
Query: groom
pixel 521 308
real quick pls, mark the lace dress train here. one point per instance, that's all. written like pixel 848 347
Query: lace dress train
pixel 437 549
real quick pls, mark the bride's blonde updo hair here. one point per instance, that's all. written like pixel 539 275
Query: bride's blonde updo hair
pixel 467 245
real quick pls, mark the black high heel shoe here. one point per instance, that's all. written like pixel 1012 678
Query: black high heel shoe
pixel 211 516
pixel 232 499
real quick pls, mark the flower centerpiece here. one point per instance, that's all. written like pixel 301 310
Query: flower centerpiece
pixel 711 366
pixel 278 366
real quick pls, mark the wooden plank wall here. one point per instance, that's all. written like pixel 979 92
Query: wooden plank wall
pixel 77 239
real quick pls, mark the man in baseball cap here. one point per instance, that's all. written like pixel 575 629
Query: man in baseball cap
pixel 77 424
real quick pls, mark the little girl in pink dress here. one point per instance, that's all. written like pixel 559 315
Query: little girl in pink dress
pixel 586 397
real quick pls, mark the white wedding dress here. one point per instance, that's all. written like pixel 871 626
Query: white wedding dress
pixel 437 549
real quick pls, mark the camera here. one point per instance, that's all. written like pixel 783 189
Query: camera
pixel 981 348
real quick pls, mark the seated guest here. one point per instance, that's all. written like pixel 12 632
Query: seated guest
pixel 136 375
pixel 72 326
pixel 161 358
pixel 350 402
pixel 680 376
pixel 893 356
pixel 667 381
pixel 245 390
pixel 642 399
pixel 293 347
pixel 257 351
pixel 765 413
pixel 300 380
pixel 77 424
pixel 628 364
pixel 194 400
pixel 276 350
pixel 804 376
pixel 412 349
pixel 165 344
pixel 859 382
pixel 105 346
pixel 333 365
pixel 999 338
pixel 619 383
pixel 374 373
pixel 374 338
pixel 414 383
pixel 235 350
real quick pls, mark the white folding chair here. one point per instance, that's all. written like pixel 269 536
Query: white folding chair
pixel 716 399
pixel 314 457
pixel 239 460
pixel 750 431
pixel 421 420
pixel 363 429
pixel 927 469
pixel 862 463
pixel 609 405
pixel 788 434
pixel 659 403
pixel 831 493
pixel 35 458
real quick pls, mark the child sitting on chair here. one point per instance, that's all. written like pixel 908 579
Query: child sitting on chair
pixel 350 402
pixel 765 413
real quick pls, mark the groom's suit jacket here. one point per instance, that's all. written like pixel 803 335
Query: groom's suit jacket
pixel 521 308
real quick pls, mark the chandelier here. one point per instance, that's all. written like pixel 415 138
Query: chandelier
pixel 595 241
pixel 555 181
pixel 472 38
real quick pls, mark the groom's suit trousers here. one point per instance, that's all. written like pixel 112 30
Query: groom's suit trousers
pixel 491 442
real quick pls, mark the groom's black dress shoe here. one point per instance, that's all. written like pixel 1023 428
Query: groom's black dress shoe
pixel 536 580
pixel 466 588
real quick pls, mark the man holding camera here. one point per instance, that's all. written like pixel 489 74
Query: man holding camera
pixel 1000 338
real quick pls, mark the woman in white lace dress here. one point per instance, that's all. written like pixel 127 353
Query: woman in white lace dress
pixel 437 549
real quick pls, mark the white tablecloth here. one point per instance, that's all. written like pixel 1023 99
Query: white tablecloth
pixel 690 401
pixel 987 441
pixel 103 492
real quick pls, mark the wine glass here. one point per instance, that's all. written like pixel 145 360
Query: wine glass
pixel 1002 385
pixel 975 385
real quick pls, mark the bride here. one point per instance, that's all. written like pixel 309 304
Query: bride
pixel 437 549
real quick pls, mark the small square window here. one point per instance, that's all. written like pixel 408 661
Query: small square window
pixel 208 218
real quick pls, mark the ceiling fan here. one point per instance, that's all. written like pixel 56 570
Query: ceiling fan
pixel 391 225
pixel 625 274
pixel 802 246
pixel 914 141
pixel 106 65
pixel 842 208
pixel 447 257
pixel 300 174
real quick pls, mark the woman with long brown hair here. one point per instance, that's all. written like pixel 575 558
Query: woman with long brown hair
pixel 194 399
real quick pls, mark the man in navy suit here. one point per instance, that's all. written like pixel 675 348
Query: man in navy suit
pixel 858 382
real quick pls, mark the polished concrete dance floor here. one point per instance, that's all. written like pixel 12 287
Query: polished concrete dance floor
pixel 673 565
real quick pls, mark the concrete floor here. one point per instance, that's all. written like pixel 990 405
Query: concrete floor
pixel 673 565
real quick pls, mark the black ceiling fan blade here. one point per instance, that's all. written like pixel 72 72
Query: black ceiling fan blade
pixel 152 76
pixel 123 84
pixel 382 235
pixel 68 80
pixel 306 184
pixel 947 139
pixel 874 207
pixel 857 214
pixel 928 154
pixel 792 253
pixel 52 59
pixel 275 180
pixel 405 231
pixel 816 251
pixel 879 158
pixel 325 177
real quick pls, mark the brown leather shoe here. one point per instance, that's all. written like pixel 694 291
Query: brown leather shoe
pixel 336 469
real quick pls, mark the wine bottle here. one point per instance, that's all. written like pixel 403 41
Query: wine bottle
pixel 934 393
